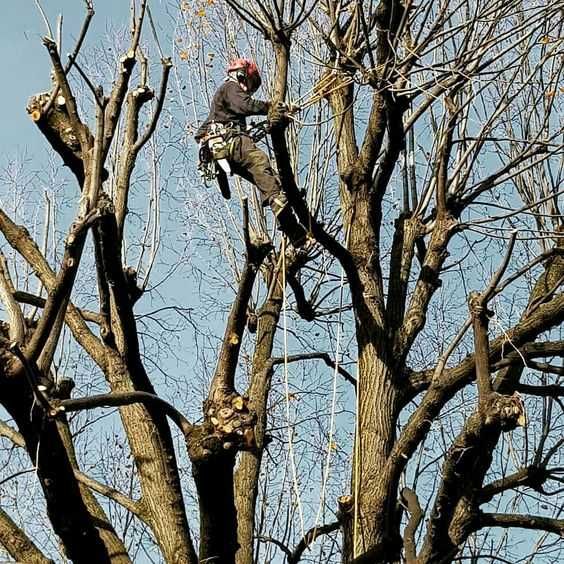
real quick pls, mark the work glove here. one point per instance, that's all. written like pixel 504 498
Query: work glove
pixel 278 115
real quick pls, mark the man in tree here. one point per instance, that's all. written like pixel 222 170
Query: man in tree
pixel 224 138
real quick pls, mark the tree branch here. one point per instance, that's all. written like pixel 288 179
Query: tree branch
pixel 533 522
pixel 316 356
pixel 167 66
pixel 309 538
pixel 18 544
pixel 409 497
pixel 7 297
pixel 19 239
pixel 118 399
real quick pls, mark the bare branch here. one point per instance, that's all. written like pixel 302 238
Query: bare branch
pixel 60 75
pixel 325 357
pixel 37 301
pixel 18 544
pixel 409 497
pixel 167 65
pixel 533 522
pixel 118 399
pixel 7 297
pixel 309 538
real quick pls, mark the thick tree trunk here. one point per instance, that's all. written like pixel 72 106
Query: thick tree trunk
pixel 150 441
pixel 66 509
pixel 218 517
pixel 248 471
pixel 373 513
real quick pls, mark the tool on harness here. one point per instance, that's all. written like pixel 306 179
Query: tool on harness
pixel 216 149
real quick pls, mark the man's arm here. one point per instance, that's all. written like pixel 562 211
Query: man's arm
pixel 241 102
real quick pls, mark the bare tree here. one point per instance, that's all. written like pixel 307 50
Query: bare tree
pixel 426 166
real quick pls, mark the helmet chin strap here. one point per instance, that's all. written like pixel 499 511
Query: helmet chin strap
pixel 235 77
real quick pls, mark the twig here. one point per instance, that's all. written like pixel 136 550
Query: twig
pixel 167 65
pixel 45 19
pixel 154 30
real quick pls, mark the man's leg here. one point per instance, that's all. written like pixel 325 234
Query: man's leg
pixel 252 163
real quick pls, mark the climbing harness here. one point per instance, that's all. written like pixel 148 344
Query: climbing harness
pixel 216 148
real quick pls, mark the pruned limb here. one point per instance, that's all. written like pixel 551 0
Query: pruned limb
pixel 119 91
pixel 53 120
pixel 72 57
pixel 167 66
pixel 135 101
pixel 117 97
pixel 76 123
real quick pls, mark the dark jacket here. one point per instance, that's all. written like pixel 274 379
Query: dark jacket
pixel 231 104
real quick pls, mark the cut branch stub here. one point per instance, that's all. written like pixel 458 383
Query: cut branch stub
pixel 57 128
pixel 231 421
pixel 54 122
pixel 228 428
pixel 505 412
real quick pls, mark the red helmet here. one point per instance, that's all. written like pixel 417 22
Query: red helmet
pixel 248 72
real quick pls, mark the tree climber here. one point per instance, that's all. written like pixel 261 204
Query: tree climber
pixel 226 144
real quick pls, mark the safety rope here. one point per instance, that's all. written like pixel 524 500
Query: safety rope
pixel 330 445
pixel 287 393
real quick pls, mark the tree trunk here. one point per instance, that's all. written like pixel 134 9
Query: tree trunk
pixel 248 471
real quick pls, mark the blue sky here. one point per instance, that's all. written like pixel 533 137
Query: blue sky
pixel 25 64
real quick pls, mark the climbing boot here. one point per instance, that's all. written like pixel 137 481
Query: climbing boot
pixel 287 222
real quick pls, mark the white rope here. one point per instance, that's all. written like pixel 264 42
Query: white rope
pixel 333 405
pixel 287 393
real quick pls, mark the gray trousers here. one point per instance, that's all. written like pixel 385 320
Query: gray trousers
pixel 252 164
